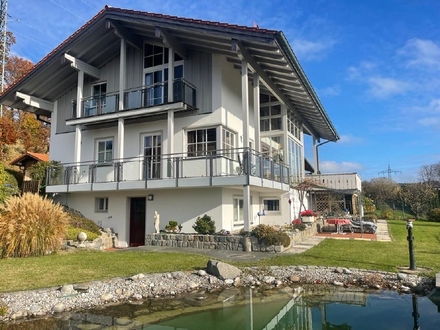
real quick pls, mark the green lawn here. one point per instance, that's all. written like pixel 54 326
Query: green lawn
pixel 67 268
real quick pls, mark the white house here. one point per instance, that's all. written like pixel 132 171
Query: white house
pixel 224 136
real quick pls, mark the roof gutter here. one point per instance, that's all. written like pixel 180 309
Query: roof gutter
pixel 288 52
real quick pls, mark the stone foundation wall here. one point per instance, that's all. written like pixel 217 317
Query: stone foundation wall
pixel 222 242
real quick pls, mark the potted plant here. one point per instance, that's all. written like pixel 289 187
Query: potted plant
pixel 308 216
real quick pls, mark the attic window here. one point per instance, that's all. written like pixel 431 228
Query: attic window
pixel 156 55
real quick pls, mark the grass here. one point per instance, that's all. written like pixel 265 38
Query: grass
pixel 68 268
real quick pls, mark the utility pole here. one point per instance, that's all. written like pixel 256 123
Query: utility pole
pixel 389 171
pixel 3 36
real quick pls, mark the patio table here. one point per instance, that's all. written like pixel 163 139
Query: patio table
pixel 338 223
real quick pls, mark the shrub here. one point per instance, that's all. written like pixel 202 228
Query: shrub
pixel 434 215
pixel 386 214
pixel 370 217
pixel 31 226
pixel 72 234
pixel 77 220
pixel 204 225
pixel 173 226
pixel 299 226
pixel 270 236
pixel 8 184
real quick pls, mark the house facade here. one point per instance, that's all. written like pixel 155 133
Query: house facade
pixel 155 113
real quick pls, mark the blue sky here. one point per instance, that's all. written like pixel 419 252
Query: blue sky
pixel 375 65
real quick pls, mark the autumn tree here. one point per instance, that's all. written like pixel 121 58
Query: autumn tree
pixel 8 135
pixel 418 196
pixel 380 190
pixel 33 134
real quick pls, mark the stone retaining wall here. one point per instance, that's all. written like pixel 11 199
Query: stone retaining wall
pixel 222 242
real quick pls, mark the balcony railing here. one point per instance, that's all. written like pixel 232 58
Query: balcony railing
pixel 217 163
pixel 136 98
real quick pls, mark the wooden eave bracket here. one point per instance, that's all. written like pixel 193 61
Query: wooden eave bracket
pixel 35 101
pixel 170 41
pixel 124 33
pixel 79 65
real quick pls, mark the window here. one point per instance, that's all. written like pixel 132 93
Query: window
pixel 238 209
pixel 228 139
pixel 105 151
pixel 101 204
pixel 295 161
pixel 293 124
pixel 157 55
pixel 271 205
pixel 152 146
pixel 202 142
pixel 270 115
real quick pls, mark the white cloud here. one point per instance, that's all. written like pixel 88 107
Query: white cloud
pixel 329 91
pixel 311 50
pixel 421 52
pixel 429 122
pixel 339 167
pixel 383 87
pixel 357 72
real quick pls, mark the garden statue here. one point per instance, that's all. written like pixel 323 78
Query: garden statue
pixel 156 221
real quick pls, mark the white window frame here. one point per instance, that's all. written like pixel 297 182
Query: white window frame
pixel 204 143
pixel 272 115
pixel 228 145
pixel 236 210
pixel 105 160
pixel 265 200
pixel 101 204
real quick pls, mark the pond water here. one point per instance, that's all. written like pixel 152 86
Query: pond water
pixel 251 309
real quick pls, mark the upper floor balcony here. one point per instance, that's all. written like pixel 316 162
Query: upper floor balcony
pixel 221 168
pixel 147 100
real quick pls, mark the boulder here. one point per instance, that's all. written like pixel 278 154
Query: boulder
pixel 222 270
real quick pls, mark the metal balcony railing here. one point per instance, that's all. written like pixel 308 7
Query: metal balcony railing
pixel 136 98
pixel 216 163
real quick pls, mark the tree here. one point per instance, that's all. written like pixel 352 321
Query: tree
pixel 381 190
pixel 33 134
pixel 8 135
pixel 304 187
pixel 418 196
pixel 15 68
pixel 430 173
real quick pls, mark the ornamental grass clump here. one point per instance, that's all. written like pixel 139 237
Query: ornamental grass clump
pixel 31 225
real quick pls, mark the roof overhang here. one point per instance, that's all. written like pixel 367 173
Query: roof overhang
pixel 97 42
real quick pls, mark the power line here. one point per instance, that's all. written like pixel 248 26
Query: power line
pixel 67 10
pixel 33 27
pixel 389 171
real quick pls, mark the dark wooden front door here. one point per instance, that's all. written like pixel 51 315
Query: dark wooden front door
pixel 137 221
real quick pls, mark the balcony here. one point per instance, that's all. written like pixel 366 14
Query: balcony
pixel 232 167
pixel 153 97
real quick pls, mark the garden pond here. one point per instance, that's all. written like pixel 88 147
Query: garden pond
pixel 300 308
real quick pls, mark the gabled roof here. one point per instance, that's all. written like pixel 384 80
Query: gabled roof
pixel 30 155
pixel 267 52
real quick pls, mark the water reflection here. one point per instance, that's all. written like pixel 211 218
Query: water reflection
pixel 313 307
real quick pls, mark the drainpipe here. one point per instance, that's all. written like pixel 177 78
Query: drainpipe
pixel 317 158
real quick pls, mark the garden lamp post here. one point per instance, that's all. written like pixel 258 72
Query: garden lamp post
pixel 410 238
